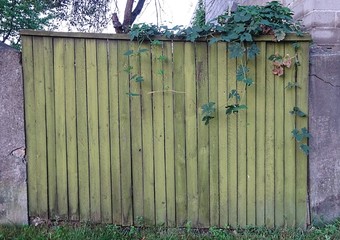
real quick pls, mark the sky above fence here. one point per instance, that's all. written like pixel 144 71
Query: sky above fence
pixel 174 12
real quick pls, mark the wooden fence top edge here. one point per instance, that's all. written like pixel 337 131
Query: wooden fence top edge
pixel 109 36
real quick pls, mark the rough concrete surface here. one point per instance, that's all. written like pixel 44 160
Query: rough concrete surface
pixel 326 36
pixel 13 191
pixel 324 125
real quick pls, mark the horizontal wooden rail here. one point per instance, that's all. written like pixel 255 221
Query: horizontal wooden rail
pixel 265 38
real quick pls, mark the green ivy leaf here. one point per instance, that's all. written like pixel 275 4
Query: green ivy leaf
pixel 246 37
pixel 230 109
pixel 235 108
pixel 253 50
pixel 279 34
pixel 206 119
pixel 298 112
pixel 133 77
pixel 305 148
pixel 234 93
pixel 168 34
pixel 239 29
pixel 235 50
pixel 275 58
pixel 214 40
pixel 160 72
pixel 139 79
pixel 305 133
pixel 296 135
pixel 292 85
pixel 265 22
pixel 241 73
pixel 133 94
pixel 142 50
pixel 128 69
pixel 156 43
pixel 242 17
pixel 230 37
pixel 242 107
pixel 135 31
pixel 248 81
pixel 162 58
pixel 296 46
pixel 128 53
pixel 299 136
pixel 192 34
pixel 245 17
pixel 208 108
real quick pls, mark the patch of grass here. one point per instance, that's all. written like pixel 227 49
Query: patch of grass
pixel 106 232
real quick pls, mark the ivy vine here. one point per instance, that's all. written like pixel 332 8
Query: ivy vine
pixel 239 30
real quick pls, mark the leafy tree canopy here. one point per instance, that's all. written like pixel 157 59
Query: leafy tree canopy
pixel 79 15
pixel 23 14
pixel 199 15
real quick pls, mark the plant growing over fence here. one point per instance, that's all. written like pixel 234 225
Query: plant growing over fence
pixel 239 30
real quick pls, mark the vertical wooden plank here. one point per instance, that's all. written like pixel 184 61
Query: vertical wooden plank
pixel 71 133
pixel 301 159
pixel 222 133
pixel 59 83
pixel 279 144
pixel 191 133
pixel 92 119
pixel 261 64
pixel 28 72
pixel 169 135
pixel 136 136
pixel 202 84
pixel 158 134
pixel 40 128
pixel 269 142
pixel 242 154
pixel 232 148
pixel 124 124
pixel 50 126
pixel 104 132
pixel 179 135
pixel 290 157
pixel 114 133
pixel 251 145
pixel 148 158
pixel 82 134
pixel 213 138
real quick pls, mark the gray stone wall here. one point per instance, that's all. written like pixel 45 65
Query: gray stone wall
pixel 215 8
pixel 324 125
pixel 321 19
pixel 13 190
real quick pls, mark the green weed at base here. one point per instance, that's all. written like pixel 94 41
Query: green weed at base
pixel 108 232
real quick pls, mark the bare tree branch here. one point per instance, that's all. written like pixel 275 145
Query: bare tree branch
pixel 117 24
pixel 137 10
pixel 128 13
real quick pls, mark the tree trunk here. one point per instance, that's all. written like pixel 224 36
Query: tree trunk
pixel 129 16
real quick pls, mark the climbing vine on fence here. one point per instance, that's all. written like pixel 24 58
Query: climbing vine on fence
pixel 238 29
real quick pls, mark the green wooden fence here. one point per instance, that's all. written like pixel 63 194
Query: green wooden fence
pixel 95 153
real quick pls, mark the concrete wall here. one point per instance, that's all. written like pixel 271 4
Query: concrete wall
pixel 324 125
pixel 13 191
